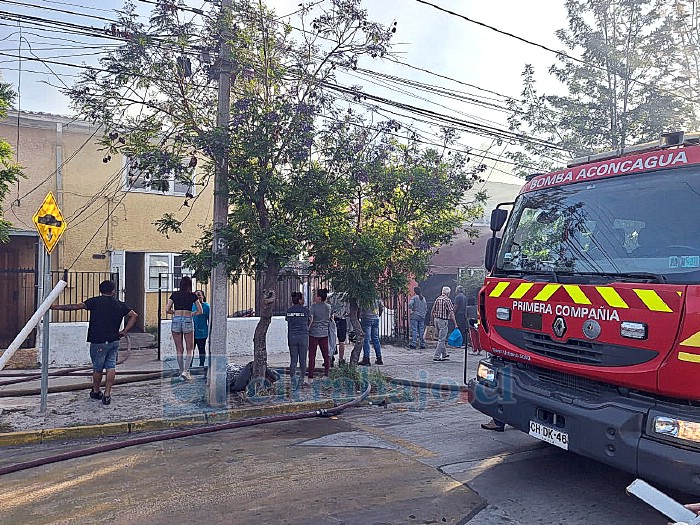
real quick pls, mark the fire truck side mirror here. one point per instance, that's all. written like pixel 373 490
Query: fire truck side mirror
pixel 492 246
pixel 498 219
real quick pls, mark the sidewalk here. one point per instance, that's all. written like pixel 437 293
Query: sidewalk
pixel 169 402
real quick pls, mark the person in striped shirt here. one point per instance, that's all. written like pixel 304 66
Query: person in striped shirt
pixel 443 312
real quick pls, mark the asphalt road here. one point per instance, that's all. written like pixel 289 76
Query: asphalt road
pixel 421 462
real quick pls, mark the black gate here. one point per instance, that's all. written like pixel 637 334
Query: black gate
pixel 18 302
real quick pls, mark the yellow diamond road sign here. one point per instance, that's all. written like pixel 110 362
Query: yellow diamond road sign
pixel 49 222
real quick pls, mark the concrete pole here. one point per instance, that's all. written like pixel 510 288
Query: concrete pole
pixel 45 338
pixel 216 386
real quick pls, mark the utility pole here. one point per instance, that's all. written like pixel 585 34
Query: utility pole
pixel 216 386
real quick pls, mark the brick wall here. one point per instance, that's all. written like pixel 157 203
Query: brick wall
pixel 24 358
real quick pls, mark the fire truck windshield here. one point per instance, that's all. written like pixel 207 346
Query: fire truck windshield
pixel 639 226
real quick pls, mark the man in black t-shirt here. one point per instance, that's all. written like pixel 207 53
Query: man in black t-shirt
pixel 106 314
pixel 298 318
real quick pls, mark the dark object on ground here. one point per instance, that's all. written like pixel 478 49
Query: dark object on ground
pixel 238 377
pixel 249 312
pixel 493 425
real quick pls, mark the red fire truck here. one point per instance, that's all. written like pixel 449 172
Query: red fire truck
pixel 591 311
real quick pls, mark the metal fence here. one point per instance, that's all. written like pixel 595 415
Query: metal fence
pixel 243 300
pixel 18 295
pixel 81 286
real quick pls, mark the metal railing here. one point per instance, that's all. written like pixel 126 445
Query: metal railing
pixel 81 286
pixel 244 296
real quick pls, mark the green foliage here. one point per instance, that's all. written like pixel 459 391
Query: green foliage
pixel 625 89
pixel 156 96
pixel 473 282
pixel 10 171
pixel 402 202
pixel 359 376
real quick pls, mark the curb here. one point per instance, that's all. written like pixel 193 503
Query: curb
pixel 35 437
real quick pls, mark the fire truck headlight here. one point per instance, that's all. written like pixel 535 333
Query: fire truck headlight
pixel 633 330
pixel 677 428
pixel 503 314
pixel 486 374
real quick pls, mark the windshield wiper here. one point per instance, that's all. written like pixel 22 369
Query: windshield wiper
pixel 521 273
pixel 655 277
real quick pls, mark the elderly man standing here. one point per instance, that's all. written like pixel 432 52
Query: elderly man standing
pixel 443 312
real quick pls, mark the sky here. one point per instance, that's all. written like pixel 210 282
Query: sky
pixel 426 38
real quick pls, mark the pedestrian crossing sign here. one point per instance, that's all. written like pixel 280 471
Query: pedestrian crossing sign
pixel 49 222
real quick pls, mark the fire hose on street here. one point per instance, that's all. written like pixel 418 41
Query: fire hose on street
pixel 207 429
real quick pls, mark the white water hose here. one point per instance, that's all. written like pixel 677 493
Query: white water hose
pixel 43 308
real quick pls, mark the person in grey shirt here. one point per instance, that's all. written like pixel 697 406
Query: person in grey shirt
pixel 418 306
pixel 318 331
pixel 298 318
pixel 369 318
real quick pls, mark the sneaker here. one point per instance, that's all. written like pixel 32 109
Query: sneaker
pixel 365 362
pixel 412 346
pixel 446 356
pixel 438 358
pixel 423 347
pixel 492 425
pixel 95 395
pixel 379 361
pixel 106 400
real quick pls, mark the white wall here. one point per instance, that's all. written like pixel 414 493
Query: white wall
pixel 239 337
pixel 69 348
pixel 67 345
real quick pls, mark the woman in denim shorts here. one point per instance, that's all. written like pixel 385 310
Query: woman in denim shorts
pixel 180 305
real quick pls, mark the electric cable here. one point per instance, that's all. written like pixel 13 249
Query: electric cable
pixel 558 53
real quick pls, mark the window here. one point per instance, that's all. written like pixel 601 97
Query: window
pixel 617 226
pixel 164 271
pixel 136 179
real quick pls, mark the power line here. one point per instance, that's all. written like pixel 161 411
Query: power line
pixel 558 53
pixel 468 126
pixel 56 10
pixel 79 5
pixel 445 77
pixel 66 161
pixel 194 10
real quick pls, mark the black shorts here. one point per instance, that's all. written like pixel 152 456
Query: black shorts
pixel 342 328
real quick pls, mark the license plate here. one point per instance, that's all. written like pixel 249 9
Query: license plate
pixel 550 435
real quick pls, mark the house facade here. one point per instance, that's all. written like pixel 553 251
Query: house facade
pixel 109 216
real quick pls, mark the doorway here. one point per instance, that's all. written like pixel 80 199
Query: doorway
pixel 134 287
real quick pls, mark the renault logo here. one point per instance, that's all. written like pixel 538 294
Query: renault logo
pixel 559 327
pixel 591 329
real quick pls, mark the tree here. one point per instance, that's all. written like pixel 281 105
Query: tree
pixel 155 96
pixel 10 171
pixel 402 202
pixel 621 91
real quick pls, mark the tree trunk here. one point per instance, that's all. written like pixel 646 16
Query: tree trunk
pixel 267 300
pixel 360 335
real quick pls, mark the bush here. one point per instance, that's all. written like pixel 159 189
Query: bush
pixel 360 376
